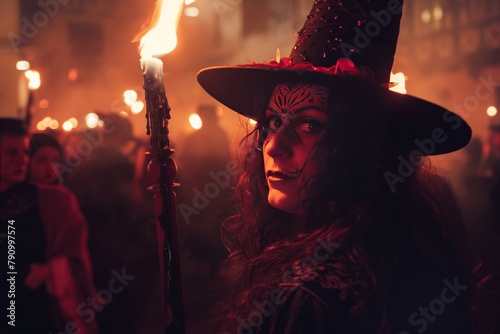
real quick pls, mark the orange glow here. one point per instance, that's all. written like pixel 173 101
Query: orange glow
pixel 491 111
pixel 195 121
pixel 191 11
pixel 400 80
pixel 137 107
pixel 33 79
pixel 129 97
pixel 46 121
pixel 73 74
pixel 67 126
pixel 44 103
pixel 425 16
pixel 41 126
pixel 23 65
pixel 219 111
pixel 73 121
pixel 91 120
pixel 162 38
pixel 54 124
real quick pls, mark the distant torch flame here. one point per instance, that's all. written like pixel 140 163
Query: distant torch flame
pixel 162 39
pixel 399 80
pixel 33 79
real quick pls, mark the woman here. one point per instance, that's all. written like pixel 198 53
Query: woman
pixel 344 226
pixel 53 278
pixel 45 152
pixel 60 266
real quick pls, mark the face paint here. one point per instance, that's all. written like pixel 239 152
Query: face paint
pixel 293 99
pixel 295 121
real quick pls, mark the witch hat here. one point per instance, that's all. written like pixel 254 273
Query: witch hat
pixel 347 46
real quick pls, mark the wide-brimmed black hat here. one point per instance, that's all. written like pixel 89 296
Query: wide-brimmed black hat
pixel 348 46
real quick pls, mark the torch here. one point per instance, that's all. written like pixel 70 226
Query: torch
pixel 162 170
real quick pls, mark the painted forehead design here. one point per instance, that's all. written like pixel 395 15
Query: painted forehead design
pixel 291 99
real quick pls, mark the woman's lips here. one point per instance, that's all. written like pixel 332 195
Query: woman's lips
pixel 279 176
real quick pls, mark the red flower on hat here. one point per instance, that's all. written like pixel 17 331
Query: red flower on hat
pixel 344 66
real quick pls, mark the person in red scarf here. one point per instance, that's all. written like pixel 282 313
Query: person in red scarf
pixel 53 271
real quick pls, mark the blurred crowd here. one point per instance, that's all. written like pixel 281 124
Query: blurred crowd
pixel 91 186
pixel 479 189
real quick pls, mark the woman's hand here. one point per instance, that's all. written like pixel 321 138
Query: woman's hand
pixel 39 274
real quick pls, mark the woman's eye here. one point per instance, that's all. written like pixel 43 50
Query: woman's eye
pixel 273 122
pixel 310 126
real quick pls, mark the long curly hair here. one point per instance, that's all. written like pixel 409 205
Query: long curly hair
pixel 351 203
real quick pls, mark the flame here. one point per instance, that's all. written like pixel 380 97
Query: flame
pixel 399 80
pixel 162 38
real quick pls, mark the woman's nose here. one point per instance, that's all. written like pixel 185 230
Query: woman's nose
pixel 279 143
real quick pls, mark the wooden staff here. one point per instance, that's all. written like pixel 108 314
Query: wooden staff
pixel 162 171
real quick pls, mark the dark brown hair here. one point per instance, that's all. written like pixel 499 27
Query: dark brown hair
pixel 351 203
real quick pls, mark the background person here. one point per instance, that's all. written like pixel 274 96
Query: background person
pixel 51 259
pixel 44 152
pixel 122 233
